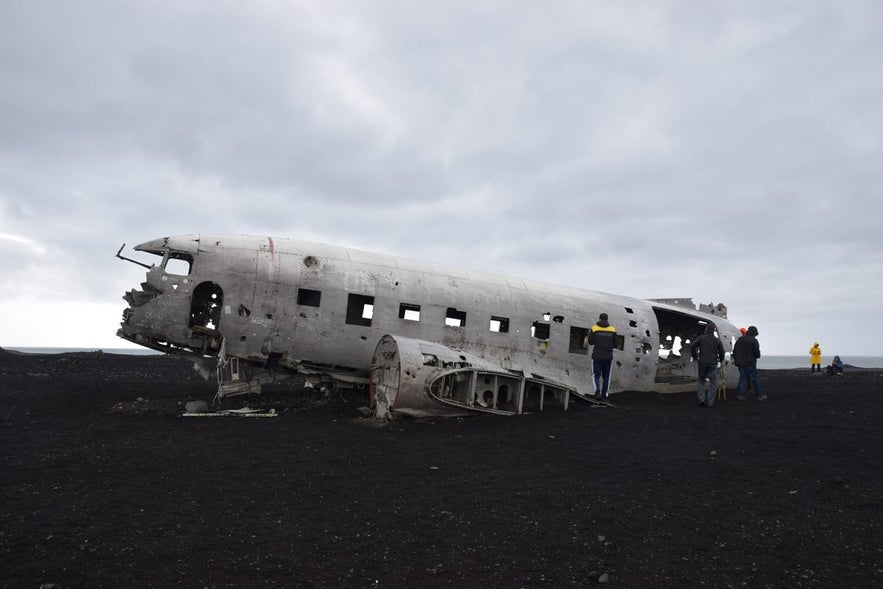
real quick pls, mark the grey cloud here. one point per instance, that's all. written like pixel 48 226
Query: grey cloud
pixel 718 150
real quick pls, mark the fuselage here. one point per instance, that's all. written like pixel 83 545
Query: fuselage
pixel 320 310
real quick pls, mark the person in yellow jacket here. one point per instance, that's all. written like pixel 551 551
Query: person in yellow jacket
pixel 602 338
pixel 815 358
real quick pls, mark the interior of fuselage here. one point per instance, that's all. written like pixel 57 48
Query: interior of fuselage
pixel 205 306
pixel 676 332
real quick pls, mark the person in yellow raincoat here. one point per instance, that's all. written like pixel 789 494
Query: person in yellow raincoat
pixel 815 358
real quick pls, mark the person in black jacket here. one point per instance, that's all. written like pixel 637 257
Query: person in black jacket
pixel 708 350
pixel 602 338
pixel 746 351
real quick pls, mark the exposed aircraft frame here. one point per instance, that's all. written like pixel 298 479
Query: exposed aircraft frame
pixel 426 339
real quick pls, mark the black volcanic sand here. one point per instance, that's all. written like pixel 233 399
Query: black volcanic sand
pixel 104 484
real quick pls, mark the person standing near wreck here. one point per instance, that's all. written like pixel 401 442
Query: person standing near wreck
pixel 602 338
pixel 746 351
pixel 708 350
pixel 815 358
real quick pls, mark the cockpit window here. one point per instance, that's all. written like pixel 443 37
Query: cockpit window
pixel 178 263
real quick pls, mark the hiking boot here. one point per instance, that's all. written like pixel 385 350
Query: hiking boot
pixel 762 398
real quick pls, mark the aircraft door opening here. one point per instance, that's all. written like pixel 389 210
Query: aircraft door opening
pixel 676 332
pixel 205 307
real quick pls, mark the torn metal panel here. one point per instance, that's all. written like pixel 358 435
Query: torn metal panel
pixel 420 378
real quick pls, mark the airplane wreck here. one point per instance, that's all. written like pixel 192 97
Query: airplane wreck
pixel 424 339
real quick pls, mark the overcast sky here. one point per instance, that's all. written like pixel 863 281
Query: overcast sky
pixel 731 152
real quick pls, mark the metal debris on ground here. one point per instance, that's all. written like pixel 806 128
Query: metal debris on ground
pixel 244 412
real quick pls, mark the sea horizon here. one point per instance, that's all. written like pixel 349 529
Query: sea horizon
pixel 771 362
pixel 51 350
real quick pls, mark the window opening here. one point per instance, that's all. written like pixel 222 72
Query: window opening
pixel 308 298
pixel 178 263
pixel 455 318
pixel 675 346
pixel 500 324
pixel 409 312
pixel 359 310
pixel 540 330
pixel 578 335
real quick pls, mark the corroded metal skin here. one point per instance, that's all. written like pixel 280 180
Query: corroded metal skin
pixel 279 307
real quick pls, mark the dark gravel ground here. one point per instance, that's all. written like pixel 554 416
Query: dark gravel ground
pixel 104 484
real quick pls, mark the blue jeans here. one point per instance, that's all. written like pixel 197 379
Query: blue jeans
pixel 601 369
pixel 746 374
pixel 707 392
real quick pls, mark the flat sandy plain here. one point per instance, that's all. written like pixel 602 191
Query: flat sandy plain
pixel 104 484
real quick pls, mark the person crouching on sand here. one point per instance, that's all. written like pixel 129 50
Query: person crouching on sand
pixel 836 367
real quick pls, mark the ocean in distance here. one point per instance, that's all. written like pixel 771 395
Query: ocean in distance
pixel 765 362
pixel 130 351
pixel 780 362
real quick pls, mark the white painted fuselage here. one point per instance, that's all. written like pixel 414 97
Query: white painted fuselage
pixel 321 311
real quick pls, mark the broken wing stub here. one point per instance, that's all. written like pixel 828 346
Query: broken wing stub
pixel 421 378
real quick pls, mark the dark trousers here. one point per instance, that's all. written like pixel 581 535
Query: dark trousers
pixel 601 369
pixel 748 375
pixel 707 391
